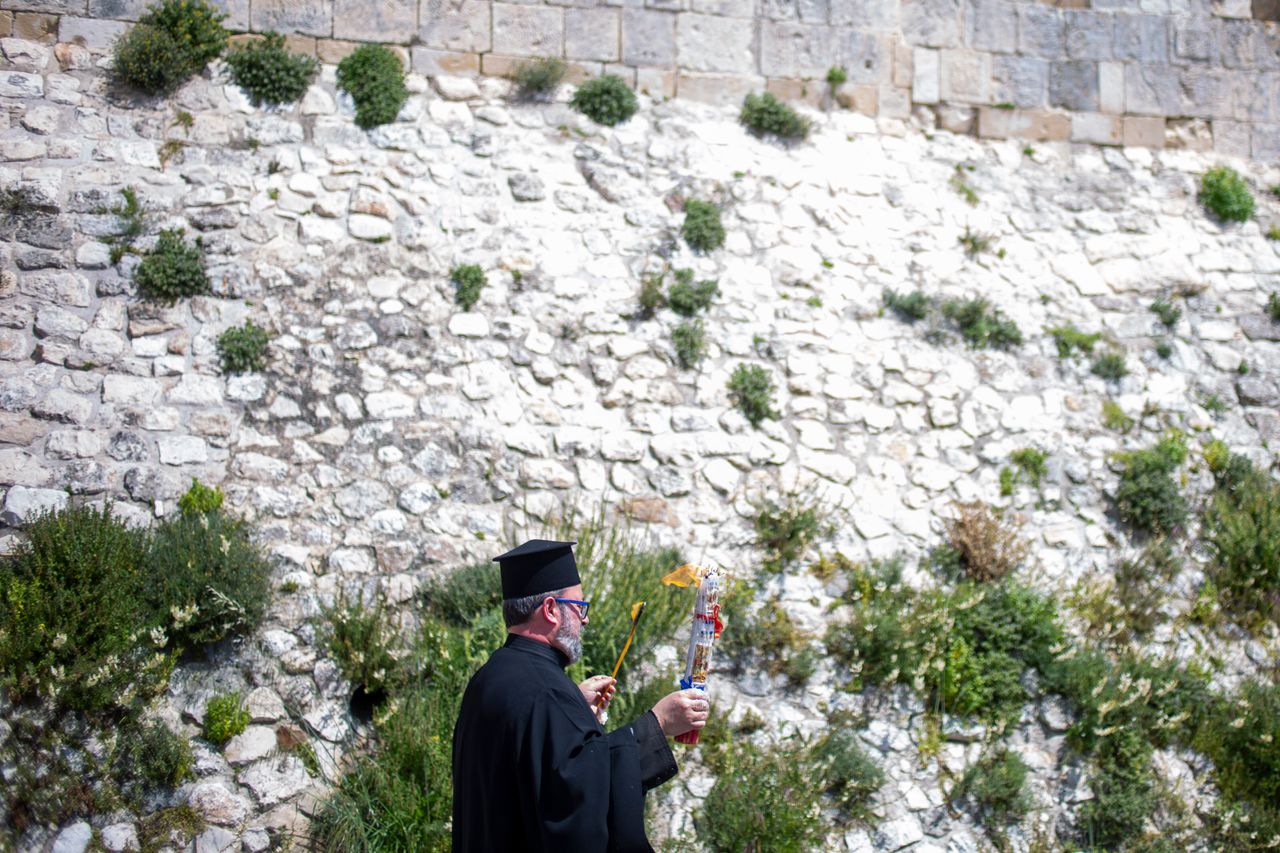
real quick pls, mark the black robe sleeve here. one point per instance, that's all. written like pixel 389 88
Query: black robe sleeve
pixel 657 763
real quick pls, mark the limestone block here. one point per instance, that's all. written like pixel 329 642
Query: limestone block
pixel 1233 138
pixel 1142 38
pixel 796 50
pixel 866 57
pixel 1195 41
pixel 37 27
pixel 991 25
pixel 458 25
pixel 309 17
pixel 16 84
pixel 799 91
pixel 709 43
pixel 528 30
pixel 860 99
pixel 717 89
pixel 931 23
pixel 21 504
pixel 1237 43
pixel 1207 92
pixel 592 34
pixel 120 836
pixel 274 780
pixel 926 81
pixel 430 62
pixel 966 76
pixel 253 743
pixel 64 406
pixel 1088 34
pixel 1074 85
pixel 725 8
pixel 1024 124
pixel 1020 80
pixel 1111 87
pixel 1041 31
pixel 1097 128
pixel 121 10
pixel 658 82
pixel 648 37
pixel 1266 142
pixel 1259 99
pixel 956 120
pixel 1151 89
pixel 877 15
pixel 375 20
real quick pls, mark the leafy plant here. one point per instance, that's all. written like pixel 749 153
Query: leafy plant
pixel 961 185
pixel 1167 312
pixel 1226 194
pixel 200 499
pixel 1028 461
pixel 169 44
pixel 224 718
pixel 980 325
pixel 465 594
pixel 374 77
pixel 268 73
pixel 539 78
pixel 361 638
pixel 996 785
pixel 468 279
pixel 651 295
pixel 172 270
pixel 194 24
pixel 1273 307
pixel 1114 417
pixel 763 114
pixel 243 349
pixel 687 298
pixel 1071 340
pixel 910 307
pixel 751 388
pixel 988 546
pixel 975 242
pixel 606 100
pixel 770 638
pixel 784 531
pixel 1147 496
pixel 852 777
pixel 1242 530
pixel 1110 366
pixel 702 228
pixel 153 756
pixel 690 341
pixel 1163 348
pixel 764 798
pixel 836 76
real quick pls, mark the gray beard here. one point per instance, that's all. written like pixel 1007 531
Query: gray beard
pixel 569 641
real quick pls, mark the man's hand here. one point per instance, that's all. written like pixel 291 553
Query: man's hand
pixel 682 711
pixel 598 688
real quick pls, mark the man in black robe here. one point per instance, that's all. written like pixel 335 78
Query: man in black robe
pixel 533 769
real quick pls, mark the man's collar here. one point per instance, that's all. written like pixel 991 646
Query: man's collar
pixel 533 647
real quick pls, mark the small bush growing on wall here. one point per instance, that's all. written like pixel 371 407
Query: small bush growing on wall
pixel 702 228
pixel 980 325
pixel 996 785
pixel 1226 194
pixel 268 73
pixel 169 44
pixel 374 76
pixel 1148 496
pixel 173 270
pixel 538 78
pixel 606 100
pixel 362 640
pixel 687 298
pixel 468 280
pixel 763 114
pixel 988 546
pixel 651 296
pixel 764 798
pixel 751 387
pixel 194 24
pixel 224 718
pixel 909 307
pixel 243 349
pixel 690 340
pixel 1070 340
pixel 200 499
pixel 785 530
pixel 1242 529
pixel 150 755
pixel 1110 366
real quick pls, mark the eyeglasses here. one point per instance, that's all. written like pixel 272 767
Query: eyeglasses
pixel 581 605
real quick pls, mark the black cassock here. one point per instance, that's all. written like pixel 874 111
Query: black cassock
pixel 533 770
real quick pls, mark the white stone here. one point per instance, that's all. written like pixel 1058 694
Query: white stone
pixel 390 404
pixel 456 88
pixel 215 839
pixel 74 838
pixel 469 325
pixel 722 475
pixel 274 780
pixel 196 390
pixel 896 834
pixel 264 705
pixel 183 449
pixel 365 227
pixel 22 504
pixel 15 84
pixel 253 743
pixel 120 836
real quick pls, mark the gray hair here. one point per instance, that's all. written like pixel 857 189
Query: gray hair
pixel 516 611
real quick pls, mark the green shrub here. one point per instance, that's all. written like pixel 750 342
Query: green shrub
pixel 784 531
pixel 374 77
pixel 539 78
pixel 159 829
pixel 1163 348
pixel 150 60
pixel 852 777
pixel 268 73
pixel 651 295
pixel 224 718
pixel 751 388
pixel 1110 366
pixel 836 76
pixel 69 603
pixel 1148 497
pixel 987 545
pixel 1226 194
pixel 1242 530
pixel 996 784
pixel 1030 461
pixel 1071 340
pixel 132 220
pixel 468 280
pixel 980 325
pixel 763 114
pixel 172 270
pixel 702 228
pixel 690 340
pixel 169 44
pixel 152 756
pixel 207 575
pixel 200 499
pixel 1242 736
pixel 976 243
pixel 1167 312
pixel 363 642
pixel 243 349
pixel 465 594
pixel 911 307
pixel 1124 795
pixel 1114 417
pixel 1273 307
pixel 769 640
pixel 764 798
pixel 687 298
pixel 606 100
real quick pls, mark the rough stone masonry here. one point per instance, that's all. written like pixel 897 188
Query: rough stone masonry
pixel 1203 74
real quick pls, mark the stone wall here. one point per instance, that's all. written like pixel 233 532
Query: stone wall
pixel 1187 73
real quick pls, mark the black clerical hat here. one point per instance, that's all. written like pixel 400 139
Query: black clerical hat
pixel 538 565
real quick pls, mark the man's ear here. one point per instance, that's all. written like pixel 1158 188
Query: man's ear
pixel 550 611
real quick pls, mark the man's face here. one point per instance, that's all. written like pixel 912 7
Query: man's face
pixel 568 637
